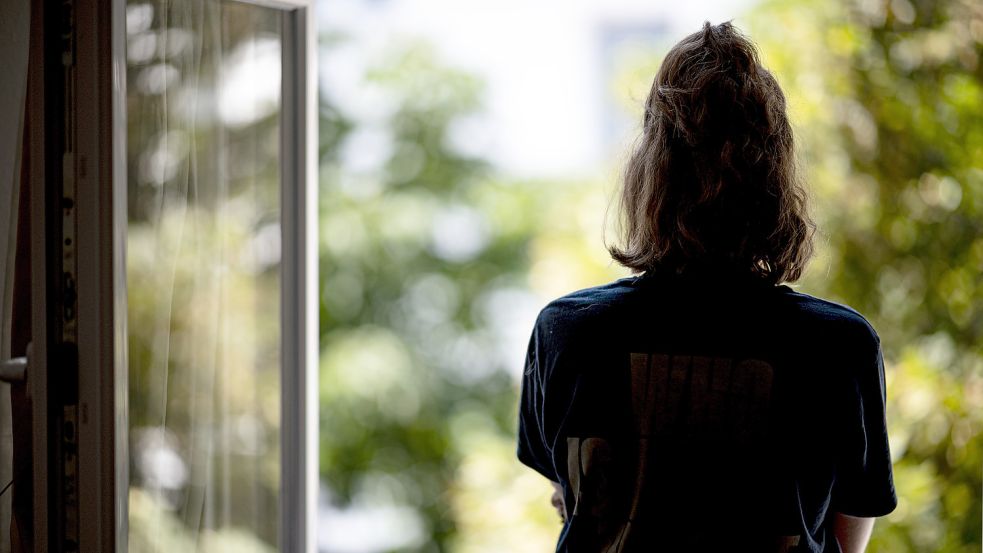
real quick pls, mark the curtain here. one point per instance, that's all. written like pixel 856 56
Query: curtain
pixel 203 281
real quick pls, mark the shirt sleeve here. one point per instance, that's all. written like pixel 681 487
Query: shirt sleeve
pixel 534 450
pixel 864 485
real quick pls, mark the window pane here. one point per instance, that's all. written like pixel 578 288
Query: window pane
pixel 203 260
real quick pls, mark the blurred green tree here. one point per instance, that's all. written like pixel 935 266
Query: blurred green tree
pixel 419 247
pixel 888 97
pixel 420 241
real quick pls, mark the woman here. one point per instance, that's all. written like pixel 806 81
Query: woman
pixel 703 405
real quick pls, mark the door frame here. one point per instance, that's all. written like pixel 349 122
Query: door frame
pixel 37 376
pixel 100 219
pixel 99 235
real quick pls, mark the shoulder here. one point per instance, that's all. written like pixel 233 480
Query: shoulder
pixel 829 317
pixel 586 307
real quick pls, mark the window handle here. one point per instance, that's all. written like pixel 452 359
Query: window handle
pixel 14 370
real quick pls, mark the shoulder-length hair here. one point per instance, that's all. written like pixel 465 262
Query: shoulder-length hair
pixel 711 182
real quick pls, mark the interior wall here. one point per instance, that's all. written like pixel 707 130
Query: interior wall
pixel 14 28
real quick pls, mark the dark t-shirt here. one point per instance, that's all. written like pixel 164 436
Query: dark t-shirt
pixel 687 414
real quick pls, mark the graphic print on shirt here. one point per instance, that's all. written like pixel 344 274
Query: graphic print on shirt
pixel 699 396
pixel 678 398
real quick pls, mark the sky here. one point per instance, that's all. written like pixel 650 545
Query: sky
pixel 546 66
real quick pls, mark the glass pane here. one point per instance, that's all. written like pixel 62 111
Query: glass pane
pixel 203 260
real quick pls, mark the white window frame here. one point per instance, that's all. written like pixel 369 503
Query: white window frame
pixel 299 265
pixel 100 172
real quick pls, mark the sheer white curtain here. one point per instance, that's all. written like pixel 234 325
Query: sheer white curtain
pixel 203 260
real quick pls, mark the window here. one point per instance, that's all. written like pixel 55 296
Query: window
pixel 214 265
pixel 180 204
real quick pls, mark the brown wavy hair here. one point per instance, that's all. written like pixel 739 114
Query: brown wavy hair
pixel 711 182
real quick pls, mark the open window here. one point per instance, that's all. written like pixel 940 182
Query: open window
pixel 218 328
pixel 173 194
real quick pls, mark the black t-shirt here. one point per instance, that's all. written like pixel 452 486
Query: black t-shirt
pixel 682 414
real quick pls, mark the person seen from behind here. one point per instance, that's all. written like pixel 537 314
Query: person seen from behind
pixel 702 404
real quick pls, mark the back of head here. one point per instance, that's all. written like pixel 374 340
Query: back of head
pixel 712 183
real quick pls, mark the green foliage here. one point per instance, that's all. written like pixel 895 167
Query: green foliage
pixel 417 410
pixel 409 353
pixel 889 101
